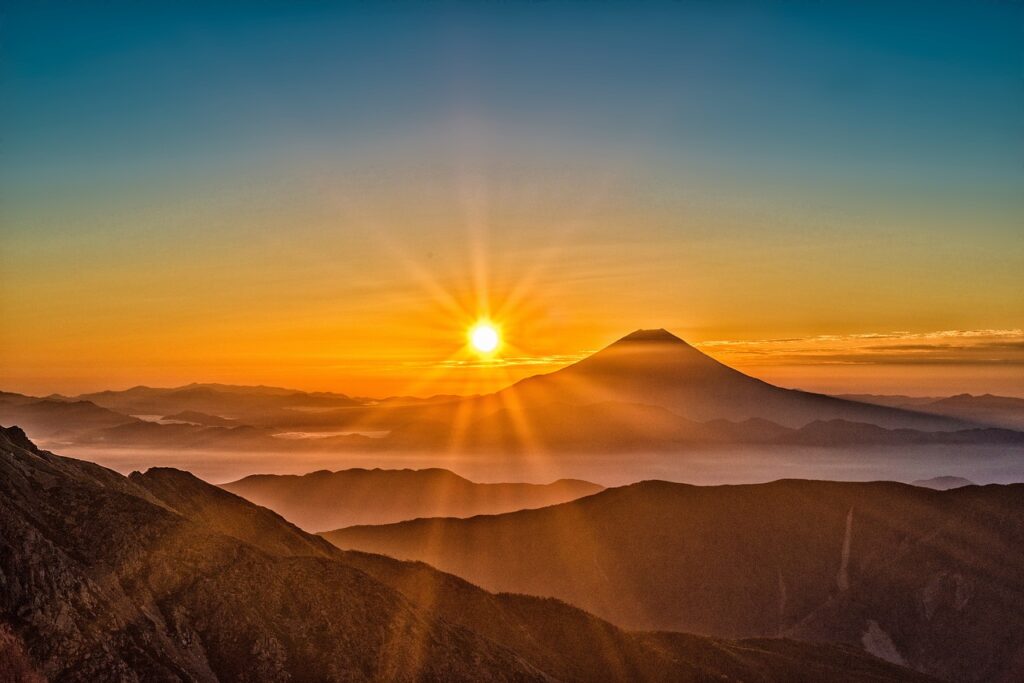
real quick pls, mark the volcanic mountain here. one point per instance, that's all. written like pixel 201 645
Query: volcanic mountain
pixel 656 368
pixel 650 391
pixel 932 579
pixel 162 577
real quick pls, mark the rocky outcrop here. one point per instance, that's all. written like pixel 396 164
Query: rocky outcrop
pixel 103 584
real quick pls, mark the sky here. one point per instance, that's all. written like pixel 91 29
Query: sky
pixel 327 195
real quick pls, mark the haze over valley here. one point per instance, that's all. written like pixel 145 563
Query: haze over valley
pixel 647 406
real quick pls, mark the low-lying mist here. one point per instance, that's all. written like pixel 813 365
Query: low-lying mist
pixel 706 466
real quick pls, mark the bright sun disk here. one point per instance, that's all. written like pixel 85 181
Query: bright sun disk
pixel 484 337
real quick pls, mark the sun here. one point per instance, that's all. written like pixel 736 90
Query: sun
pixel 484 337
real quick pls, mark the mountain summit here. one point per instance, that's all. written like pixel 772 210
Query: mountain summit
pixel 657 368
pixel 659 335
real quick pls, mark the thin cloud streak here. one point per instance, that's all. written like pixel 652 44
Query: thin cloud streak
pixel 941 347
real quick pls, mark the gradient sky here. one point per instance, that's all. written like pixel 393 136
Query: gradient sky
pixel 324 195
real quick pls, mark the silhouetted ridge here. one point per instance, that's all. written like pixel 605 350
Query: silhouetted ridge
pixel 16 436
pixel 328 500
pixel 943 483
pixel 927 578
pixel 163 577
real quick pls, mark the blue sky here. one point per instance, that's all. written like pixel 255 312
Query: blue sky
pixel 855 91
pixel 744 166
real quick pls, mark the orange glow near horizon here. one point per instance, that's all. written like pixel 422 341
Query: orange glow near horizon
pixel 278 314
pixel 340 229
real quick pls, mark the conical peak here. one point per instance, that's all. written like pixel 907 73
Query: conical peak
pixel 648 336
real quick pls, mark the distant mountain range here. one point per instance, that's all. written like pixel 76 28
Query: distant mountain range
pixel 162 577
pixel 649 391
pixel 943 483
pixel 986 409
pixel 932 579
pixel 213 398
pixel 50 419
pixel 327 500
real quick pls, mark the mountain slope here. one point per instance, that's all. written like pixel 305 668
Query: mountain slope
pixel 943 483
pixel 1000 411
pixel 559 639
pixel 63 419
pixel 925 577
pixel 222 400
pixel 162 577
pixel 328 500
pixel 986 409
pixel 651 391
pixel 104 584
pixel 655 367
pixel 841 433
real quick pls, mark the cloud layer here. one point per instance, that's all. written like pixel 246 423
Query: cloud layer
pixel 943 347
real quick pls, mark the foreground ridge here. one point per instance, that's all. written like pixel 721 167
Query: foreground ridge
pixel 162 577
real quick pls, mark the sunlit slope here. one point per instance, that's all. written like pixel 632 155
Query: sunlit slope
pixel 162 577
pixel 328 500
pixel 932 578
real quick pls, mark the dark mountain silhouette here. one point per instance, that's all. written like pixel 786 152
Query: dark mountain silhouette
pixel 58 419
pixel 930 578
pixel 327 500
pixel 943 483
pixel 600 427
pixel 986 409
pixel 162 577
pixel 11 397
pixel 613 426
pixel 891 400
pixel 222 400
pixel 15 665
pixel 513 621
pixel 1000 411
pixel 843 434
pixel 649 391
pixel 205 419
pixel 104 583
pixel 652 391
pixel 654 367
pixel 177 435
